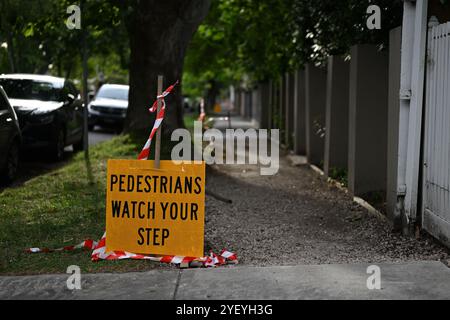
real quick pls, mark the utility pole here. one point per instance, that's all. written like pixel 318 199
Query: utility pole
pixel 85 86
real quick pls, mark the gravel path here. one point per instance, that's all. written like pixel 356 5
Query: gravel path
pixel 297 217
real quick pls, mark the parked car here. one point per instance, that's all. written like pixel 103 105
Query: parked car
pixel 10 139
pixel 49 109
pixel 109 107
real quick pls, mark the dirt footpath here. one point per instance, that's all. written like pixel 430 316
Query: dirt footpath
pixel 296 217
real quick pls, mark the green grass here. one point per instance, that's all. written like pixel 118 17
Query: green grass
pixel 61 208
pixel 339 174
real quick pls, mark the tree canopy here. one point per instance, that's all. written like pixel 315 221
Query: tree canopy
pixel 260 40
pixel 239 41
pixel 35 39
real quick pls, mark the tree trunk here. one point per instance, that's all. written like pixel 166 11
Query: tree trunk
pixel 160 32
pixel 11 53
pixel 211 95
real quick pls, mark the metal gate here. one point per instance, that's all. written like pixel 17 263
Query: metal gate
pixel 436 170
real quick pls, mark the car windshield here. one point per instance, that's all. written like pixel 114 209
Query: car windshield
pixel 31 90
pixel 117 93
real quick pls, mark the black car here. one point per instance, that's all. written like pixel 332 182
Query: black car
pixel 49 109
pixel 10 139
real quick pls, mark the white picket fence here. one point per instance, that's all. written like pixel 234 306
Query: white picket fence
pixel 436 156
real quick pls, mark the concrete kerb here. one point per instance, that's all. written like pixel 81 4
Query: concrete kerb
pixel 416 280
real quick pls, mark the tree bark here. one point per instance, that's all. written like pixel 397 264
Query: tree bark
pixel 11 52
pixel 160 32
pixel 211 95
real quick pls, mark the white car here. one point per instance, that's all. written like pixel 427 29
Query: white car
pixel 109 107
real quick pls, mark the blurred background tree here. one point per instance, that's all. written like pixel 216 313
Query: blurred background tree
pixel 35 39
pixel 265 39
pixel 131 41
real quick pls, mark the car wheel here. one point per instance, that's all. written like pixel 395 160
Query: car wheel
pixel 119 129
pixel 12 163
pixel 58 147
pixel 79 146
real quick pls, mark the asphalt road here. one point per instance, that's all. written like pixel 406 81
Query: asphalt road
pixel 35 164
pixel 100 135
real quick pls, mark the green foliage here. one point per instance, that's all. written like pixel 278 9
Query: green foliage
pixel 238 37
pixel 16 35
pixel 61 208
pixel 39 41
pixel 338 174
pixel 262 40
pixel 57 209
pixel 331 27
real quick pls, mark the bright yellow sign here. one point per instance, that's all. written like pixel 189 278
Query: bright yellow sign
pixel 155 211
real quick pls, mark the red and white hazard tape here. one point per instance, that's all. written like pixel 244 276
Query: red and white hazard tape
pixel 87 244
pixel 223 258
pixel 99 248
pixel 202 115
pixel 159 118
pixel 99 253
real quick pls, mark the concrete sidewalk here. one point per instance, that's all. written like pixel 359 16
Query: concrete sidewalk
pixel 417 280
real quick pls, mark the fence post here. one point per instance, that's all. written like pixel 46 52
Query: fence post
pixel 264 94
pixel 256 106
pixel 367 121
pixel 269 105
pixel 282 110
pixel 299 113
pixel 289 116
pixel 336 124
pixel 242 103
pixel 393 125
pixel 316 81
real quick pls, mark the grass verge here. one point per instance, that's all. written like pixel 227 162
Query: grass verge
pixel 62 208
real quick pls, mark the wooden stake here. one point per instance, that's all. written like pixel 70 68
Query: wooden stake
pixel 158 133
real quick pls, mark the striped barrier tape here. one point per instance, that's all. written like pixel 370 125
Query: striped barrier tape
pixel 87 244
pixel 99 248
pixel 223 258
pixel 159 119
pixel 99 253
pixel 202 115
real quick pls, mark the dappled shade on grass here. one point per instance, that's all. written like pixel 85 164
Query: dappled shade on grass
pixel 61 208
